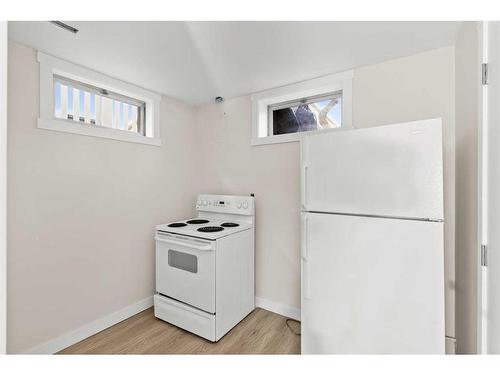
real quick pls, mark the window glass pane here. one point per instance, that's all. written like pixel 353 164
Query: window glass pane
pixel 57 100
pixel 64 101
pixel 122 116
pixel 83 103
pixel 183 261
pixel 92 108
pixel 116 114
pixel 113 115
pixel 76 104
pixel 132 117
pixel 107 112
pixel 70 102
pixel 323 113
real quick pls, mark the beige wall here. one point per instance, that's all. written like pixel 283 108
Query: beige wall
pixel 81 213
pixel 406 89
pixel 467 81
pixel 82 209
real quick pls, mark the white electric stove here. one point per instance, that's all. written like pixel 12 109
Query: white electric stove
pixel 205 266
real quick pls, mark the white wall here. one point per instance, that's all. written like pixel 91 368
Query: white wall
pixel 406 89
pixel 467 82
pixel 81 213
pixel 3 186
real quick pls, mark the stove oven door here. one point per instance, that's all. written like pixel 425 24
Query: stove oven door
pixel 185 270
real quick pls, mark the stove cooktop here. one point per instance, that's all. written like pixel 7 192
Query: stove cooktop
pixel 210 228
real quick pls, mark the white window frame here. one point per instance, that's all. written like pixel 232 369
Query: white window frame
pixel 51 66
pixel 314 87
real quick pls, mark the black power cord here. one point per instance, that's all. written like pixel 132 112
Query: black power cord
pixel 295 332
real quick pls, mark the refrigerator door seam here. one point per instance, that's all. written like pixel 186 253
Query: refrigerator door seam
pixel 378 216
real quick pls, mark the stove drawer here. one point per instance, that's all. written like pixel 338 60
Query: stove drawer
pixel 185 270
pixel 185 317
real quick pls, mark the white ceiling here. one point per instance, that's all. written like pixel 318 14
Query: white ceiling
pixel 196 61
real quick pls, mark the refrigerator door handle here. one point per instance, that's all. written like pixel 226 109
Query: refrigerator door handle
pixel 304 186
pixel 304 237
pixel 305 280
pixel 304 255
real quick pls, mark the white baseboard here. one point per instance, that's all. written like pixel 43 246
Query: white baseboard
pixel 79 334
pixel 278 308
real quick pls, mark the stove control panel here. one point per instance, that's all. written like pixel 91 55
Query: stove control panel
pixel 231 204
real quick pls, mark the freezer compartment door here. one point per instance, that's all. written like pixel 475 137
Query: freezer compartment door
pixel 393 170
pixel 372 286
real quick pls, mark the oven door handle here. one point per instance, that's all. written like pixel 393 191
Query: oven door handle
pixel 193 245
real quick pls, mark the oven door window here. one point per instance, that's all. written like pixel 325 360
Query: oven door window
pixel 183 261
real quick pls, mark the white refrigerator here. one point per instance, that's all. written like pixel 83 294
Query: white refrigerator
pixel 372 255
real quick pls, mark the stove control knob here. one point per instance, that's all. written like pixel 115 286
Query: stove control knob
pixel 245 205
pixel 239 205
pixel 204 202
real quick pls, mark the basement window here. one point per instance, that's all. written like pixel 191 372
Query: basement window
pixel 87 104
pixel 77 100
pixel 287 113
pixel 307 114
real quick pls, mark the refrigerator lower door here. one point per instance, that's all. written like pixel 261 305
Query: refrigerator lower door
pixel 372 285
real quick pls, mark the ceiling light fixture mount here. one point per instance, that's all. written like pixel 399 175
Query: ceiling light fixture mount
pixel 64 26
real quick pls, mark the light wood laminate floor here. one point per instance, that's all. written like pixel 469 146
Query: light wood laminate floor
pixel 261 332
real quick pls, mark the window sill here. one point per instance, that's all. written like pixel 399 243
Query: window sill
pixel 272 139
pixel 293 137
pixel 95 131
